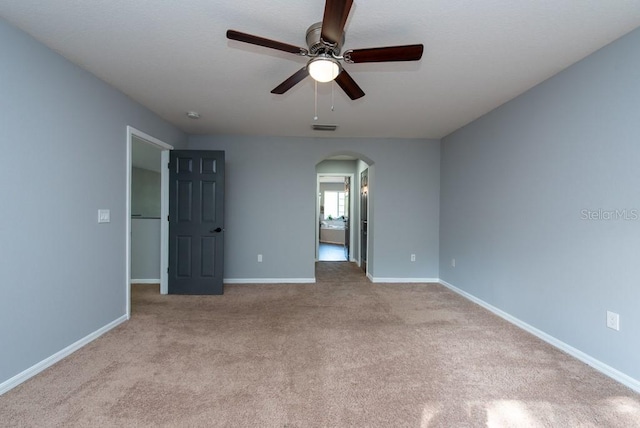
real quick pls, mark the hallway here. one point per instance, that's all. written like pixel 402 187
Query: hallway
pixel 331 253
pixel 345 272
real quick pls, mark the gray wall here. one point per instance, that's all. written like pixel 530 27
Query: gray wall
pixel 145 193
pixel 145 249
pixel 333 166
pixel 270 203
pixel 64 143
pixel 514 187
pixel 145 224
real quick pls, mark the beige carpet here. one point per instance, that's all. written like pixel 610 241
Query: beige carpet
pixel 342 352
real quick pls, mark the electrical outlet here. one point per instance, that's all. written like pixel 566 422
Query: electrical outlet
pixel 613 320
pixel 259 258
pixel 453 262
pixel 413 257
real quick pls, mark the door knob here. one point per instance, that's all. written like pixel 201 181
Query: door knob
pixel 216 230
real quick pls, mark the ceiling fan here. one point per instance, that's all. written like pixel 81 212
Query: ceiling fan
pixel 325 40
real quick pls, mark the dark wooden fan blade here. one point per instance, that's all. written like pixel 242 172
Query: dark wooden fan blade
pixel 387 54
pixel 334 20
pixel 349 86
pixel 261 41
pixel 292 81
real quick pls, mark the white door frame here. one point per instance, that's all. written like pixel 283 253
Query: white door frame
pixel 335 174
pixel 164 211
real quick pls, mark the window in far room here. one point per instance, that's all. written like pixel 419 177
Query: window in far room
pixel 333 204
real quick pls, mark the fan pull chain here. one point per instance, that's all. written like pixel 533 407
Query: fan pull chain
pixel 316 101
pixel 333 84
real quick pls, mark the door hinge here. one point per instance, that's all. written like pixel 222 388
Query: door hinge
pixel 168 218
pixel 168 165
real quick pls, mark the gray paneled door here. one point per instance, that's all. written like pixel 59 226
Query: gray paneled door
pixel 347 217
pixel 364 202
pixel 196 222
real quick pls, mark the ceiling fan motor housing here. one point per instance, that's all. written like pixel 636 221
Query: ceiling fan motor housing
pixel 317 45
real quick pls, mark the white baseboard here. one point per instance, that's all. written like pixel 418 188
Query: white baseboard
pixel 269 280
pixel 145 281
pixel 605 369
pixel 48 362
pixel 404 280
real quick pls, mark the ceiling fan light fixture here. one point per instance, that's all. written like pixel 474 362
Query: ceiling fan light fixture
pixel 324 68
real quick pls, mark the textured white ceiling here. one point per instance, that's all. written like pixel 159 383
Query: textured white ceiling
pixel 174 57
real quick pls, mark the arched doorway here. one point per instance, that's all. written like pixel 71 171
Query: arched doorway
pixel 347 215
pixel 335 216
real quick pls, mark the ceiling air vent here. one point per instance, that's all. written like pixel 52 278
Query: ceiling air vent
pixel 318 127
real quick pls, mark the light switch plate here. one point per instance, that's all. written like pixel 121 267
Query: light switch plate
pixel 104 216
